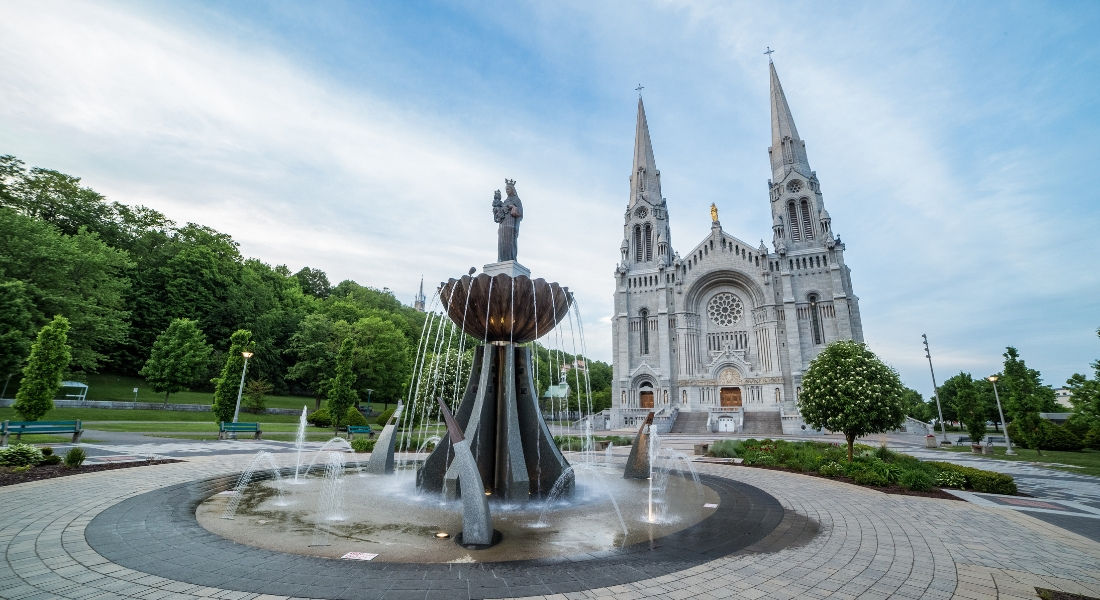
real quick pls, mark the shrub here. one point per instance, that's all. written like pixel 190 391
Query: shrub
pixel 889 473
pixel 254 394
pixel 723 449
pixel 354 417
pixel 385 416
pixel 976 479
pixel 319 418
pixel 361 444
pixel 20 455
pixel 47 451
pixel 833 469
pixel 1092 438
pixel 761 459
pixel 1056 437
pixel 950 479
pixel 916 480
pixel 866 476
pixel 22 469
pixel 75 457
pixel 51 459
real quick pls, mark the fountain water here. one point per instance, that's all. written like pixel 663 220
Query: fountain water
pixel 334 442
pixel 263 459
pixel 331 499
pixel 299 441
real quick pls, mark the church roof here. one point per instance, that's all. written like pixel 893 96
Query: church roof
pixel 644 179
pixel 782 120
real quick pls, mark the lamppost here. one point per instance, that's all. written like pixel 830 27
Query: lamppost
pixel 935 388
pixel 1008 441
pixel 240 390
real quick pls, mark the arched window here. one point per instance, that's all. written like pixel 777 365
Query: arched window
pixel 815 321
pixel 637 243
pixel 648 242
pixel 644 337
pixel 792 218
pixel 807 225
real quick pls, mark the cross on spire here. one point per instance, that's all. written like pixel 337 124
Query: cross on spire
pixel 639 89
pixel 768 51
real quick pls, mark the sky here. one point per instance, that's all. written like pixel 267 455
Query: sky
pixel 954 142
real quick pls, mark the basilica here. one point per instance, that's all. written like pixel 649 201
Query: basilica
pixel 717 338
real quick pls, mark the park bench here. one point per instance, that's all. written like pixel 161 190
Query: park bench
pixel 364 429
pixel 225 428
pixel 21 427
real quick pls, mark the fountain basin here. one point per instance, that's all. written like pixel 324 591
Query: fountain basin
pixel 384 515
pixel 502 308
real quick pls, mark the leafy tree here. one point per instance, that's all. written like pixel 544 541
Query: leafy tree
pixel 313 282
pixel 969 407
pixel 77 276
pixel 913 405
pixel 848 389
pixel 42 376
pixel 179 358
pixel 16 327
pixel 254 392
pixel 226 386
pixel 1026 397
pixel 382 358
pixel 1086 393
pixel 313 349
pixel 341 394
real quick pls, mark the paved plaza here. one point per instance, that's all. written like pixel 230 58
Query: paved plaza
pixel 834 541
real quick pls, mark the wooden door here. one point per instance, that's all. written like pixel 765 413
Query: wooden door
pixel 645 399
pixel 730 396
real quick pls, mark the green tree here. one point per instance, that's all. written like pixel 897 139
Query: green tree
pixel 914 406
pixel 16 327
pixel 227 385
pixel 254 392
pixel 382 358
pixel 341 394
pixel 42 376
pixel 179 358
pixel 1086 392
pixel 848 389
pixel 1025 397
pixel 313 282
pixel 312 351
pixel 968 405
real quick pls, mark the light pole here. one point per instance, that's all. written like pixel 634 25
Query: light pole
pixel 935 388
pixel 1008 441
pixel 240 390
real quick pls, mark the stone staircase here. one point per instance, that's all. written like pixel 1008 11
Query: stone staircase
pixel 766 423
pixel 690 422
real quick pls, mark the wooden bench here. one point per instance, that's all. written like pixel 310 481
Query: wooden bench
pixel 226 427
pixel 364 429
pixel 31 427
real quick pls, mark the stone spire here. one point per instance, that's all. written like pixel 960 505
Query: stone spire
pixel 787 151
pixel 421 299
pixel 645 179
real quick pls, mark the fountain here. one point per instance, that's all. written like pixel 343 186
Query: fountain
pixel 499 412
pixel 299 441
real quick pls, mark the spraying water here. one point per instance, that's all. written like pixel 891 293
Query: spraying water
pixel 299 441
pixel 262 459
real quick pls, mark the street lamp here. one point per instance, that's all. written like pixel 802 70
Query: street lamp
pixel 1008 441
pixel 935 388
pixel 240 390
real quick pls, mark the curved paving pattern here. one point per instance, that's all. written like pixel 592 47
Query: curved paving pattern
pixel 867 545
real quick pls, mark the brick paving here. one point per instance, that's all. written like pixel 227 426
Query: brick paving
pixel 864 544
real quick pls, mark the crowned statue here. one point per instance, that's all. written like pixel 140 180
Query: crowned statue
pixel 508 213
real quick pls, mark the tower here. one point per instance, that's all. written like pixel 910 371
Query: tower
pixel 718 339
pixel 419 302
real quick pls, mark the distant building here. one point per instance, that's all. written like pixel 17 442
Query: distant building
pixel 1062 396
pixel 728 328
pixel 419 302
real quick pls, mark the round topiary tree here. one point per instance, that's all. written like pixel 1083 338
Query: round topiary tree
pixel 42 376
pixel 848 389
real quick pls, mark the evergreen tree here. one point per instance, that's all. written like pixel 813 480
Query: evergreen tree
pixel 179 358
pixel 226 386
pixel 42 376
pixel 1026 397
pixel 341 394
pixel 848 389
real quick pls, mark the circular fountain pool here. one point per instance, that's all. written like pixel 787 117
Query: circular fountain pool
pixel 384 515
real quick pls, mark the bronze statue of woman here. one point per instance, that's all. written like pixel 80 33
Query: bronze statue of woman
pixel 508 213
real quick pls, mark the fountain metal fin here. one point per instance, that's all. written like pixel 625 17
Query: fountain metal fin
pixel 637 466
pixel 381 458
pixel 477 524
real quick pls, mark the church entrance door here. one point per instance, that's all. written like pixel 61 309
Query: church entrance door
pixel 645 399
pixel 730 396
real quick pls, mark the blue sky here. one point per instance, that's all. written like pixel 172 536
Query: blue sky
pixel 954 142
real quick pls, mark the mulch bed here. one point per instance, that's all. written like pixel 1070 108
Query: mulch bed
pixel 7 477
pixel 890 489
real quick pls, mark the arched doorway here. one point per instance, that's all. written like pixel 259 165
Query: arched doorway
pixel 645 396
pixel 730 397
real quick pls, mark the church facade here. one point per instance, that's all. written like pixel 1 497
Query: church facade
pixel 727 328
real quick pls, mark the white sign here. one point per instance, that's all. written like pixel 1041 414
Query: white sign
pixel 359 556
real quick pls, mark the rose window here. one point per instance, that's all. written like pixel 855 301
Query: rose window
pixel 725 309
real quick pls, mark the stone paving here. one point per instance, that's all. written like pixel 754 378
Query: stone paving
pixel 867 545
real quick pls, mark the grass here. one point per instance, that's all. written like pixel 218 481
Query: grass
pixel 1085 461
pixel 109 414
pixel 187 426
pixel 287 436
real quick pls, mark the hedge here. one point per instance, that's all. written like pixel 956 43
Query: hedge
pixel 980 480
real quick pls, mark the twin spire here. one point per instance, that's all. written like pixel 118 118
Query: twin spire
pixel 787 151
pixel 645 179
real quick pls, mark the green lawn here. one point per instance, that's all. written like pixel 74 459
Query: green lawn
pixel 186 426
pixel 288 436
pixel 1085 461
pixel 107 414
